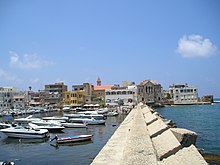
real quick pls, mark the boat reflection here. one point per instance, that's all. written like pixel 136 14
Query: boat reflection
pixel 17 140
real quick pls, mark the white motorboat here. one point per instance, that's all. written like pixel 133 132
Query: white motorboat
pixel 88 112
pixel 90 121
pixel 44 122
pixel 22 132
pixel 56 118
pixel 26 120
pixel 50 128
pixel 4 125
pixel 7 163
pixel 74 125
pixel 103 111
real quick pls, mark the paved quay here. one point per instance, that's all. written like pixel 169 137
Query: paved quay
pixel 143 138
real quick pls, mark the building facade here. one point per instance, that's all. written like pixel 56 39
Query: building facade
pixel 6 98
pixel 87 90
pixel 183 94
pixel 74 98
pixel 54 94
pixel 150 92
pixel 126 95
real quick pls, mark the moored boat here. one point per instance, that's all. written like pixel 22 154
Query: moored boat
pixel 71 139
pixel 90 121
pixel 50 127
pixel 74 125
pixel 22 132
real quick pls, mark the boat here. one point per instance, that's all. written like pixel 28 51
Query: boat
pixel 25 132
pixel 71 139
pixel 56 118
pixel 26 120
pixel 5 125
pixel 90 121
pixel 44 122
pixel 50 127
pixel 74 125
pixel 7 163
pixel 103 111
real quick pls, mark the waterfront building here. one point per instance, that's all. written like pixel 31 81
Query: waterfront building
pixel 54 94
pixel 6 97
pixel 87 91
pixel 150 92
pixel 126 96
pixel 38 98
pixel 183 94
pixel 74 98
pixel 20 100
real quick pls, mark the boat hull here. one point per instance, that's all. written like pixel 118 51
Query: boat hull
pixel 26 135
pixel 74 125
pixel 72 139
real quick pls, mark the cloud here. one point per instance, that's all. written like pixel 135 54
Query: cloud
pixel 5 76
pixel 28 61
pixel 195 46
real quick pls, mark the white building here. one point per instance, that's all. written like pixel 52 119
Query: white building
pixel 128 95
pixel 183 94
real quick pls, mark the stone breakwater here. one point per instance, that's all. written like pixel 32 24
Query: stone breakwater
pixel 143 138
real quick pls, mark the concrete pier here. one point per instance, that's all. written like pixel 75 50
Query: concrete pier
pixel 143 138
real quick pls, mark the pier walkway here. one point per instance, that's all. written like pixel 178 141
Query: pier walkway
pixel 143 138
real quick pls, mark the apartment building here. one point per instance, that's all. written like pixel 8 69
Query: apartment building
pixel 54 94
pixel 183 93
pixel 126 95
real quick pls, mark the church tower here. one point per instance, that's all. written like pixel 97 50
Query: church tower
pixel 99 81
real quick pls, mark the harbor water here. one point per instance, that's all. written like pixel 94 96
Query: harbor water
pixel 202 119
pixel 40 152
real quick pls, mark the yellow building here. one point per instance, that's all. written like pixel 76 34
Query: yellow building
pixel 74 98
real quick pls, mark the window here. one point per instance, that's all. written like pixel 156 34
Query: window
pixel 130 100
pixel 113 93
pixel 119 93
pixel 124 92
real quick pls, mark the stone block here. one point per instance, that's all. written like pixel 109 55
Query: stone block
pixel 150 118
pixel 166 144
pixel 186 156
pixel 184 136
pixel 157 127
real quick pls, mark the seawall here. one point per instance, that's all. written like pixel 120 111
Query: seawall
pixel 143 138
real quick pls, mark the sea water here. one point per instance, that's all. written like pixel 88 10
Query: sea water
pixel 202 119
pixel 41 151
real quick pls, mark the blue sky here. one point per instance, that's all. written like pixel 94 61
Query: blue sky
pixel 48 41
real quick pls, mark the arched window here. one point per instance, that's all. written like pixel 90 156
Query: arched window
pixel 130 92
pixel 119 93
pixel 124 92
pixel 107 93
pixel 113 93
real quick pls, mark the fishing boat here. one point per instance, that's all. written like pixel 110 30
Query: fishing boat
pixel 25 132
pixel 71 139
